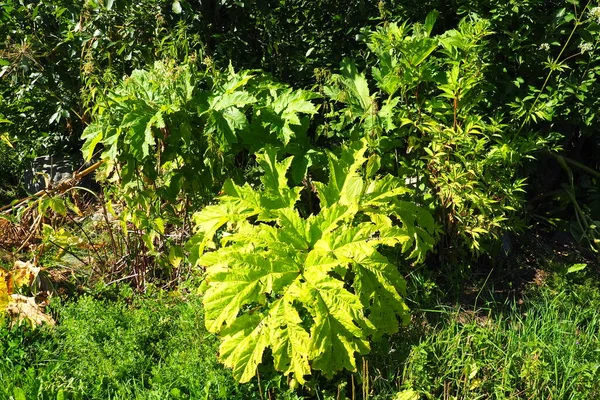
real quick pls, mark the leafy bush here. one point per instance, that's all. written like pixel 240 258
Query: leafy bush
pixel 58 57
pixel 10 169
pixel 428 122
pixel 313 290
pixel 170 136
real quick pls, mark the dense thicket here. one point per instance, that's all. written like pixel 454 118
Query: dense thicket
pixel 305 155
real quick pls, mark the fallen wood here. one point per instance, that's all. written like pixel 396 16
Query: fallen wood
pixel 60 188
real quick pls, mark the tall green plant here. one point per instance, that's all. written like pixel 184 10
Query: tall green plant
pixel 427 122
pixel 313 290
pixel 170 135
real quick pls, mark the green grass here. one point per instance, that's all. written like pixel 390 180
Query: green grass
pixel 129 347
pixel 117 345
pixel 24 365
pixel 545 348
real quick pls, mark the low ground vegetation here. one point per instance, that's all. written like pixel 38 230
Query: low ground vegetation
pixel 114 344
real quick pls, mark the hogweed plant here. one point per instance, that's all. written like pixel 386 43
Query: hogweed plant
pixel 314 291
pixel 169 137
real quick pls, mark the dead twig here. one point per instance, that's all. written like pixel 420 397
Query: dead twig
pixel 60 188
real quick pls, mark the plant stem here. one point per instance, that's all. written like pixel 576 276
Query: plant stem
pixel 578 165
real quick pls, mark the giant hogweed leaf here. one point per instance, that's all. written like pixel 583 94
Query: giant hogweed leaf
pixel 243 346
pixel 329 219
pixel 237 80
pixel 380 286
pixel 162 85
pixel 245 195
pixel 382 200
pixel 419 225
pixel 135 107
pixel 294 229
pixel 241 202
pixel 237 204
pixel 225 124
pixel 340 328
pixel 412 215
pixel 383 190
pixel 334 345
pixel 291 102
pixel 214 217
pixel 290 341
pixel 280 116
pixel 377 282
pixel 239 280
pixel 277 193
pixel 352 239
pixel 138 132
pixel 261 237
pixel 225 116
pixel 224 110
pixel 345 183
pixel 229 99
pixel 287 108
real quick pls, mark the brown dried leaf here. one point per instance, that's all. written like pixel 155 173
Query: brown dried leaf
pixel 23 308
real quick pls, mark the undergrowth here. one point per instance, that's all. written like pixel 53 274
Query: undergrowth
pixel 540 347
pixel 115 344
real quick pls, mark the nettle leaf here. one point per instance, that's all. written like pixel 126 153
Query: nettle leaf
pixel 316 290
